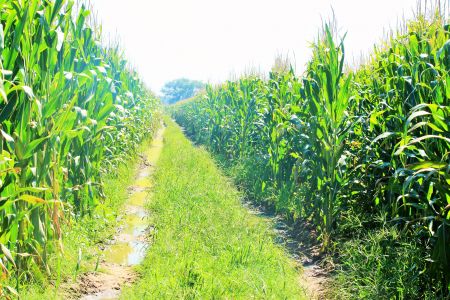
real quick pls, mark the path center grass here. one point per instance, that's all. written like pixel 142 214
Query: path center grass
pixel 206 244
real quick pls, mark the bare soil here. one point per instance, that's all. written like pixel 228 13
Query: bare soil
pixel 105 284
pixel 300 240
pixel 113 276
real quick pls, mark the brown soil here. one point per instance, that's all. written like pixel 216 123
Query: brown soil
pixel 112 276
pixel 314 279
pixel 300 240
pixel 103 285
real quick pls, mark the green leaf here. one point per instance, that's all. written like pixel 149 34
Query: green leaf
pixel 31 147
pixel 415 115
pixel 429 164
pixel 384 136
pixel 32 199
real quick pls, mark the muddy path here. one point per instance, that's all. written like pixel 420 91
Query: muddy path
pixel 133 238
pixel 299 239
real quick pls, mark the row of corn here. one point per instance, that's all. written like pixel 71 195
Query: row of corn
pixel 370 142
pixel 70 110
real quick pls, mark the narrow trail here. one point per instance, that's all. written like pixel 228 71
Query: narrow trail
pixel 300 243
pixel 195 242
pixel 208 246
pixel 303 247
pixel 129 246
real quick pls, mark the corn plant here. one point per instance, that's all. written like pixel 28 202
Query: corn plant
pixel 330 143
pixel 328 98
pixel 70 110
pixel 409 95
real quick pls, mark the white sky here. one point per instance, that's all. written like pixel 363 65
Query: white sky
pixel 209 40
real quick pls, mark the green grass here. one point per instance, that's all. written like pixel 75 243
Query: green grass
pixel 207 245
pixel 87 234
pixel 382 264
pixel 333 145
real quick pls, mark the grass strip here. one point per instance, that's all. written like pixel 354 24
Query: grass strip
pixel 206 244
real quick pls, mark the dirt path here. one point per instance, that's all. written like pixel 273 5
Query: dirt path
pixel 301 244
pixel 129 246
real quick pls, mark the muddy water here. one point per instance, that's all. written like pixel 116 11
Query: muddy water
pixel 130 244
pixel 129 248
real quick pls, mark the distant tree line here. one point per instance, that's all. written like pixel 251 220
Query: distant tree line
pixel 179 89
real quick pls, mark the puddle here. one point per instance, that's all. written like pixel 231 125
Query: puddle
pixel 143 183
pixel 135 224
pixel 137 199
pixel 129 254
pixel 130 244
pixel 129 248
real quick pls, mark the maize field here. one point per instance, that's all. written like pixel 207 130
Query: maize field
pixel 70 111
pixel 333 142
pixel 351 152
